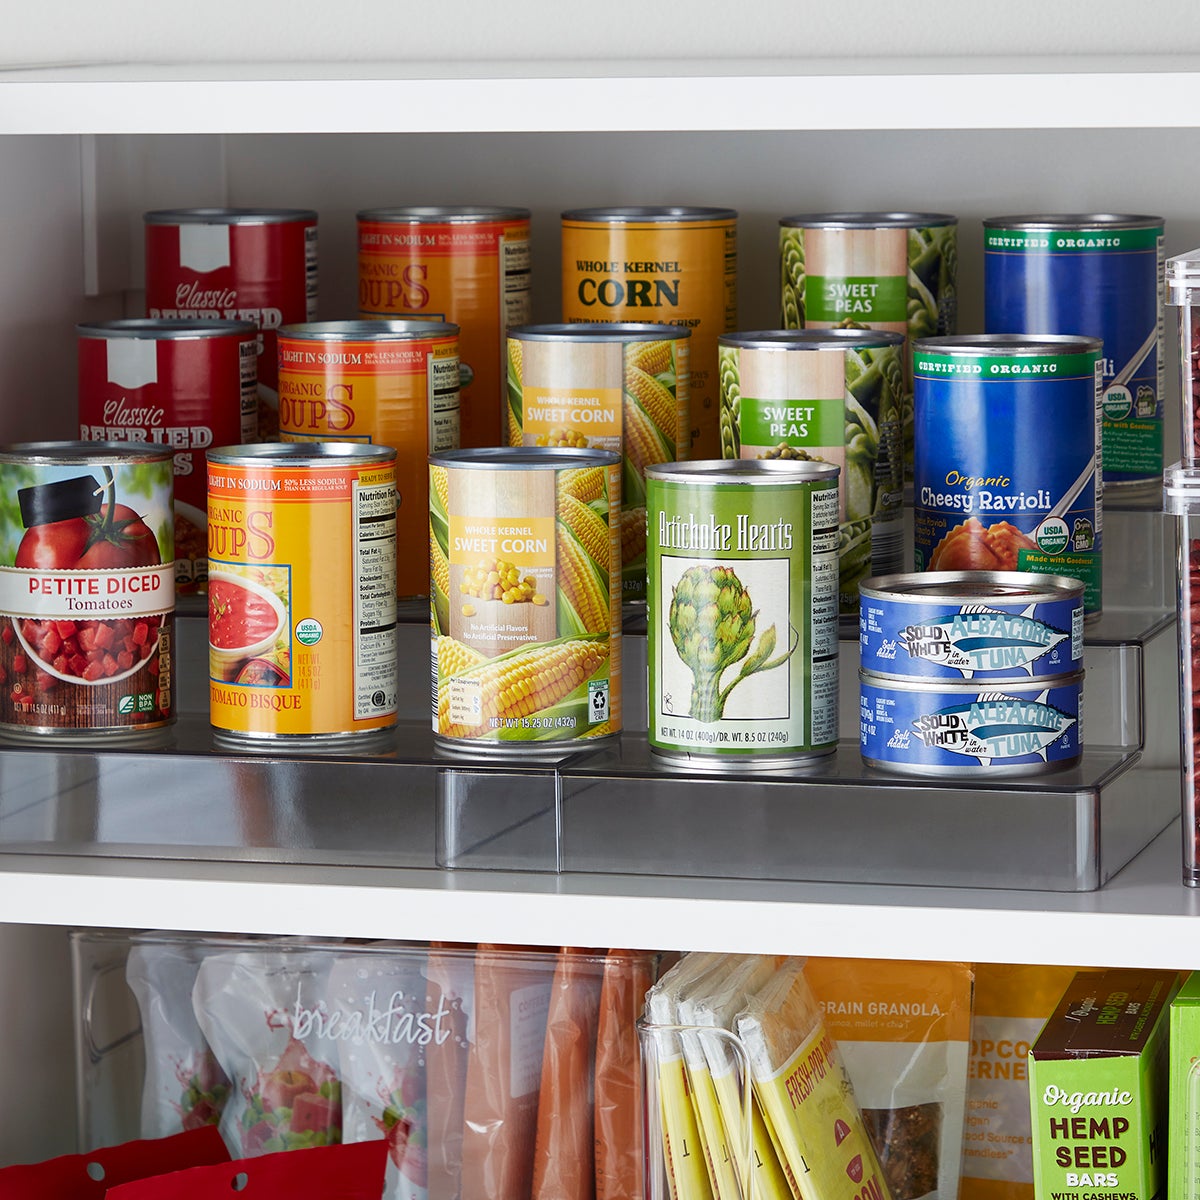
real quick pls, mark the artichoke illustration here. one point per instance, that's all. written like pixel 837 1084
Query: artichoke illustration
pixel 712 622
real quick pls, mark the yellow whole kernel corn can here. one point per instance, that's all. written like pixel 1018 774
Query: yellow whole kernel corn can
pixel 669 266
pixel 621 387
pixel 301 595
pixel 525 614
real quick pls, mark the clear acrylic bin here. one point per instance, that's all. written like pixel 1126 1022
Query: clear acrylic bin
pixel 1183 292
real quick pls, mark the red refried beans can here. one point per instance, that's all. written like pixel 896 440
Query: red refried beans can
pixel 182 385
pixel 245 264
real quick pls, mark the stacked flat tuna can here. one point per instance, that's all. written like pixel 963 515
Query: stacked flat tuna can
pixel 964 672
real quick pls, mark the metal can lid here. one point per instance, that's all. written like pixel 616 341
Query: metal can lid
pixel 443 214
pixel 972 586
pixel 514 458
pixel 972 687
pixel 228 216
pixel 165 328
pixel 811 339
pixel 1181 489
pixel 1007 344
pixel 632 214
pixel 1073 221
pixel 367 331
pixel 744 470
pixel 66 453
pixel 299 454
pixel 599 331
pixel 868 220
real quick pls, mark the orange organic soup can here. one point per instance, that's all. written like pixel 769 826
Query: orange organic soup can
pixel 301 593
pixel 668 266
pixel 390 383
pixel 465 265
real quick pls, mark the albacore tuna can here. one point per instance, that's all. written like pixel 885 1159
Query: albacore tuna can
pixel 390 383
pixel 609 387
pixel 1100 275
pixel 828 396
pixel 980 625
pixel 245 264
pixel 87 589
pixel 742 621
pixel 975 728
pixel 878 270
pixel 185 385
pixel 526 615
pixel 302 591
pixel 1007 456
pixel 669 266
pixel 468 265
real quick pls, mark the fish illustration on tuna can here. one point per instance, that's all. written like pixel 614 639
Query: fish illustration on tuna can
pixel 995 725
pixel 980 638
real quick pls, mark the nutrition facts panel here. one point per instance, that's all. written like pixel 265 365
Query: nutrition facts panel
pixel 374 601
pixel 514 280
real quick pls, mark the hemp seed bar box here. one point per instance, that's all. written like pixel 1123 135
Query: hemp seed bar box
pixel 1183 1129
pixel 1098 1077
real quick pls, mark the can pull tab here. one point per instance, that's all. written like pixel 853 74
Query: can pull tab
pixel 62 500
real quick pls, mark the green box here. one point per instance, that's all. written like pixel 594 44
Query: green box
pixel 1098 1088
pixel 1183 1130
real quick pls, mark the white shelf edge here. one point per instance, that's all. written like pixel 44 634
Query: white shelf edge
pixel 1025 100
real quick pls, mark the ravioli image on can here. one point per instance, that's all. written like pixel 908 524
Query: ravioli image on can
pixel 1100 275
pixel 980 625
pixel 826 396
pixel 872 270
pixel 668 266
pixel 182 384
pixel 390 383
pixel 1008 456
pixel 466 265
pixel 742 620
pixel 244 264
pixel 927 727
pixel 609 387
pixel 87 589
pixel 526 613
pixel 302 593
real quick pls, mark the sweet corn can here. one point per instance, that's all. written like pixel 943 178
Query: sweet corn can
pixel 391 383
pixel 609 387
pixel 872 270
pixel 741 611
pixel 87 589
pixel 182 384
pixel 526 599
pixel 302 596
pixel 830 396
pixel 468 265
pixel 668 266
pixel 244 264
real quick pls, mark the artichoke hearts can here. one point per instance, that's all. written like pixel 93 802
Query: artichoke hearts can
pixel 830 396
pixel 742 615
pixel 666 265
pixel 87 589
pixel 468 265
pixel 390 383
pixel 526 609
pixel 609 387
pixel 302 594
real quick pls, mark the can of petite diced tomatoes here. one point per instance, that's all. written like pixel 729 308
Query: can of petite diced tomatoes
pixel 183 385
pixel 245 264
pixel 669 266
pixel 301 592
pixel 391 383
pixel 468 265
pixel 526 611
pixel 87 590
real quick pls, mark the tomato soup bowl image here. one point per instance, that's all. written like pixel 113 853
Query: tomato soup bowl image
pixel 245 620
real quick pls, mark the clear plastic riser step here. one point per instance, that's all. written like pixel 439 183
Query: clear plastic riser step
pixel 621 809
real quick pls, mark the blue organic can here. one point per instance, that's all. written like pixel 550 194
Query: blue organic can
pixel 991 626
pixel 1100 275
pixel 925 727
pixel 1007 453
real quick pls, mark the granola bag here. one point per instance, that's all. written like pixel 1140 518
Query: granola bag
pixel 450 996
pixel 184 1086
pixel 264 1013
pixel 903 1029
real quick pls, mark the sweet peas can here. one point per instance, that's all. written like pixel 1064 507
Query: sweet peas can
pixel 302 593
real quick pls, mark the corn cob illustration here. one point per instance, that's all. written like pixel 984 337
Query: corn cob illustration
pixel 656 399
pixel 601 730
pixel 453 657
pixel 516 356
pixel 441 485
pixel 584 483
pixel 652 357
pixel 643 447
pixel 589 528
pixel 579 584
pixel 633 533
pixel 523 684
pixel 516 361
pixel 439 567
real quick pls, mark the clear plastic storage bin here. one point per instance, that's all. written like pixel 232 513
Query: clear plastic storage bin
pixel 1183 292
